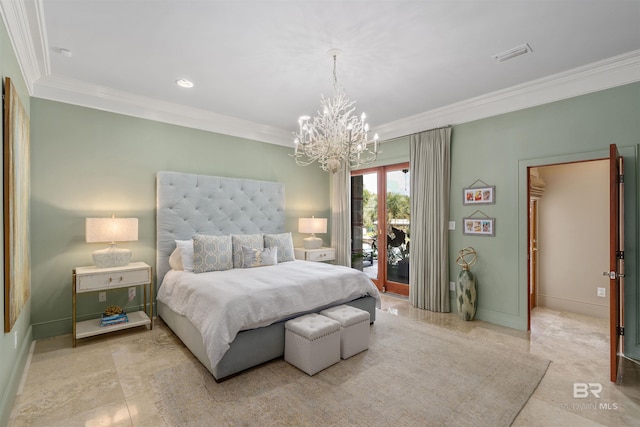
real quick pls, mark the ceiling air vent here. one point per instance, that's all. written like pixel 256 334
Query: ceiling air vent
pixel 512 53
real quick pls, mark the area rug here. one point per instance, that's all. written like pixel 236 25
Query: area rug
pixel 413 374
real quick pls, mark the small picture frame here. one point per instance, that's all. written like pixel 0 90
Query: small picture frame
pixel 479 195
pixel 479 226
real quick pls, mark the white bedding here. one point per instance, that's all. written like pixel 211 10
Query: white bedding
pixel 222 303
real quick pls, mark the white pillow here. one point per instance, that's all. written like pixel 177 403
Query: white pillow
pixel 175 259
pixel 186 251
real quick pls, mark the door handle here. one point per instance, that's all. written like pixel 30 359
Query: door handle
pixel 613 275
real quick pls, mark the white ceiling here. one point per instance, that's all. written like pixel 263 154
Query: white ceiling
pixel 257 65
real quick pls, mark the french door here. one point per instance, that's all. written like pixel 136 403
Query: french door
pixel 381 225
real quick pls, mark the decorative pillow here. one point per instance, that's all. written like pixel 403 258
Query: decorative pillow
pixel 186 254
pixel 211 253
pixel 283 242
pixel 238 241
pixel 175 259
pixel 259 257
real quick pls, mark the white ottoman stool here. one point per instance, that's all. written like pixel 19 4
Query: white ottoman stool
pixel 312 342
pixel 354 331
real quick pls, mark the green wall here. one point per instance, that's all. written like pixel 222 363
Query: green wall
pixel 498 151
pixel 92 163
pixel 14 346
pixel 88 163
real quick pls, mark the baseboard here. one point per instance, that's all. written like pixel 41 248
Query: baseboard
pixel 10 392
pixel 496 317
pixel 573 306
pixel 52 328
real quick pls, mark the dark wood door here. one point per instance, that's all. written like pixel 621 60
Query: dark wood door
pixel 616 256
pixel 533 254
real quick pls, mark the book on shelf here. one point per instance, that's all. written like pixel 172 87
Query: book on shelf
pixel 114 316
pixel 114 319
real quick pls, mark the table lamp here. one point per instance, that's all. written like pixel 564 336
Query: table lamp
pixel 312 225
pixel 111 230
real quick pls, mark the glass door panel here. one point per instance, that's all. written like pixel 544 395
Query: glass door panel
pixel 364 219
pixel 398 225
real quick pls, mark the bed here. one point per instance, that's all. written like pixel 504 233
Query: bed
pixel 212 207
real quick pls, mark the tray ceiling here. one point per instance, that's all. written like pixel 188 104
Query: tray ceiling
pixel 257 65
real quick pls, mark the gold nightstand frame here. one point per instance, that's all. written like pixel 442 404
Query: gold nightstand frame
pixel 106 279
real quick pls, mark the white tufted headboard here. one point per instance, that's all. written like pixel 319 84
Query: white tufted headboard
pixel 189 204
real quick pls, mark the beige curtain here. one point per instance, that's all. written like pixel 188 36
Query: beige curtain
pixel 341 215
pixel 429 154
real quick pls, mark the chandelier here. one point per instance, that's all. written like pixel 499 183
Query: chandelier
pixel 336 136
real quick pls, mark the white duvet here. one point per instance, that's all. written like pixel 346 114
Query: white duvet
pixel 222 303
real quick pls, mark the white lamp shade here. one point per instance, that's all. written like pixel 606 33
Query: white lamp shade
pixel 111 230
pixel 312 225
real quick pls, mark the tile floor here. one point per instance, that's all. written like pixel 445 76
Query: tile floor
pixel 62 384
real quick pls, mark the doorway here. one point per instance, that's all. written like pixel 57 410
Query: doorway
pixel 623 318
pixel 381 225
pixel 569 237
pixel 569 248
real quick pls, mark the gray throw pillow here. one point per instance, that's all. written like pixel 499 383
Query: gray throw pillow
pixel 211 253
pixel 259 257
pixel 284 243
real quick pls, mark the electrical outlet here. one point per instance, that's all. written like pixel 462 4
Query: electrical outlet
pixel 132 293
pixel 452 286
pixel 102 296
pixel 602 292
pixel 452 225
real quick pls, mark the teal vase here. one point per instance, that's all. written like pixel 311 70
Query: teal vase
pixel 466 295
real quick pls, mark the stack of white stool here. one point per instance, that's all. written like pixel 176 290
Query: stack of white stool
pixel 314 342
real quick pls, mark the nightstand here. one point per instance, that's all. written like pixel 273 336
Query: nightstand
pixel 322 254
pixel 93 279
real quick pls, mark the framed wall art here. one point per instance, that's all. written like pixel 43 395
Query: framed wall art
pixel 479 226
pixel 17 259
pixel 479 195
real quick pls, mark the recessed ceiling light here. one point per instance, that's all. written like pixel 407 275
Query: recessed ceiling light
pixel 184 83
pixel 512 53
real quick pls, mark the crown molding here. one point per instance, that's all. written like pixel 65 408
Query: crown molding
pixel 24 21
pixel 612 72
pixel 107 99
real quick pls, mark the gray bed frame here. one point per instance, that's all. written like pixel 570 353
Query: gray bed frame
pixel 189 204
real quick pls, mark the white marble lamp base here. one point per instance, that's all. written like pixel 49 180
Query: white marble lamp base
pixel 312 242
pixel 111 257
